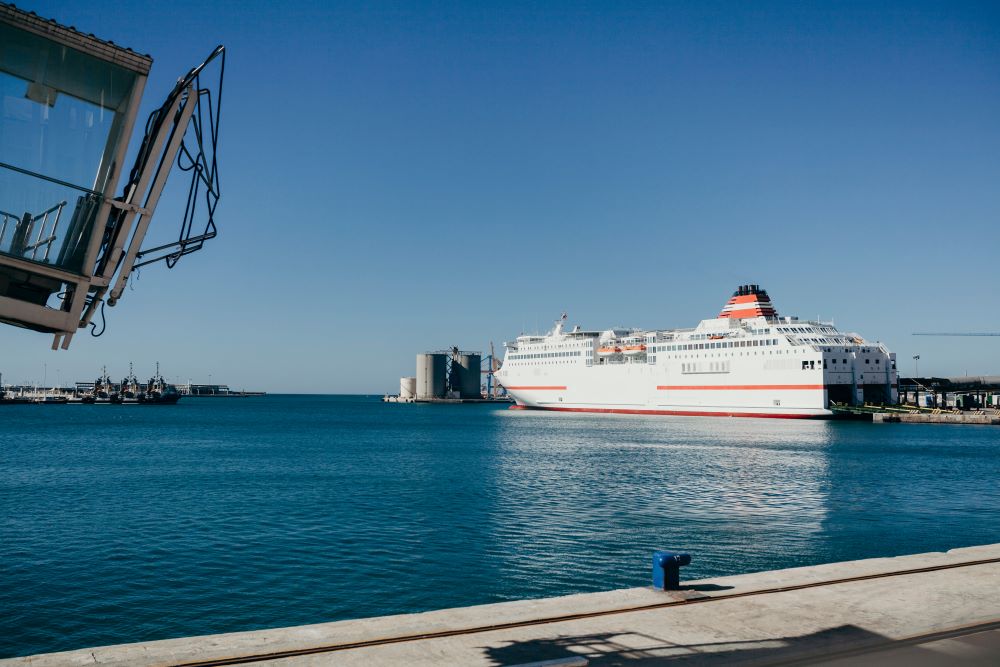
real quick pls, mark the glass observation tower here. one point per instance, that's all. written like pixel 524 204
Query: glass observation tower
pixel 73 215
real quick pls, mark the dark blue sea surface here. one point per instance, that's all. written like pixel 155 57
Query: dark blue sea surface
pixel 129 523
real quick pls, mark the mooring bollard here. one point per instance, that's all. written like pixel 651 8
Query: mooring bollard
pixel 667 569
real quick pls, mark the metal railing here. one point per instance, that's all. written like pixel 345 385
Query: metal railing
pixel 45 234
pixel 3 224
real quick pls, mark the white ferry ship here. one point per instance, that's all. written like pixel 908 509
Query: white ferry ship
pixel 747 362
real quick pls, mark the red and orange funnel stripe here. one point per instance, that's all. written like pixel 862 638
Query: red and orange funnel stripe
pixel 749 301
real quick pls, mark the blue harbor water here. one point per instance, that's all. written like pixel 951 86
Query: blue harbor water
pixel 129 523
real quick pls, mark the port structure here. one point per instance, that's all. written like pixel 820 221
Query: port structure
pixel 68 243
pixel 449 376
pixel 491 365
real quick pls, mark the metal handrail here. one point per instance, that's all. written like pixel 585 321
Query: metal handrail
pixel 50 239
pixel 41 239
pixel 3 227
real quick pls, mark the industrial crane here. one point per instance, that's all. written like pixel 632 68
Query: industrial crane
pixel 493 389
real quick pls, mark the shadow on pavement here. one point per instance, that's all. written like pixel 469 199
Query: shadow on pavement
pixel 631 648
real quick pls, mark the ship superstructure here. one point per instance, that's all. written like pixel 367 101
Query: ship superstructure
pixel 747 362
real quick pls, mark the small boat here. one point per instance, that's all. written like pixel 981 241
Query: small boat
pixel 128 390
pixel 51 400
pixel 103 391
pixel 11 399
pixel 158 392
pixel 608 351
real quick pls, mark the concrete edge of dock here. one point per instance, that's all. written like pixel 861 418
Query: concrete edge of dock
pixel 399 629
pixel 944 418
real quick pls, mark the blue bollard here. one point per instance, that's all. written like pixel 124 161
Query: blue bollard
pixel 667 569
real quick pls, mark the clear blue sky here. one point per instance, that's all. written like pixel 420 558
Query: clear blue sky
pixel 399 177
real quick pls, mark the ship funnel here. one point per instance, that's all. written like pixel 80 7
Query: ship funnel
pixel 748 301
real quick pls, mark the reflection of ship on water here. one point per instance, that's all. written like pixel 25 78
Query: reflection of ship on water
pixel 156 391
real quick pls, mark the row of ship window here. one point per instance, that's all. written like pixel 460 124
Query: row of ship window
pixel 671 348
pixel 713 367
pixel 807 330
pixel 546 355
pixel 715 346
pixel 867 361
pixel 824 341
pixel 809 364
pixel 806 365
pixel 704 336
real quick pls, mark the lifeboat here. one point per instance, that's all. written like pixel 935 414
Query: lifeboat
pixel 635 349
pixel 607 351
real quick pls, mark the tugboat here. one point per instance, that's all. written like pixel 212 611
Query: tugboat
pixel 158 392
pixel 103 391
pixel 129 391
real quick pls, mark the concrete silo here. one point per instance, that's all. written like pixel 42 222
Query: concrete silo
pixel 469 374
pixel 407 388
pixel 431 375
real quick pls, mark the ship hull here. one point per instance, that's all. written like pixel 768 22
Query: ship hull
pixel 746 390
pixel 826 414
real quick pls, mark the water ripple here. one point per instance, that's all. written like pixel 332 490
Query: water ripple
pixel 215 516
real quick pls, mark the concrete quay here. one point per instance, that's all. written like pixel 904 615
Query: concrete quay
pixel 924 609
pixel 940 418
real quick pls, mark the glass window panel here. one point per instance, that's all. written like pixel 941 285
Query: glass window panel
pixel 60 109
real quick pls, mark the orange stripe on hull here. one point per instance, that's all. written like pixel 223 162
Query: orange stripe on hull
pixel 677 413
pixel 738 387
pixel 553 388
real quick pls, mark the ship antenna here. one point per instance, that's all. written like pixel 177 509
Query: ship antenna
pixel 559 324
